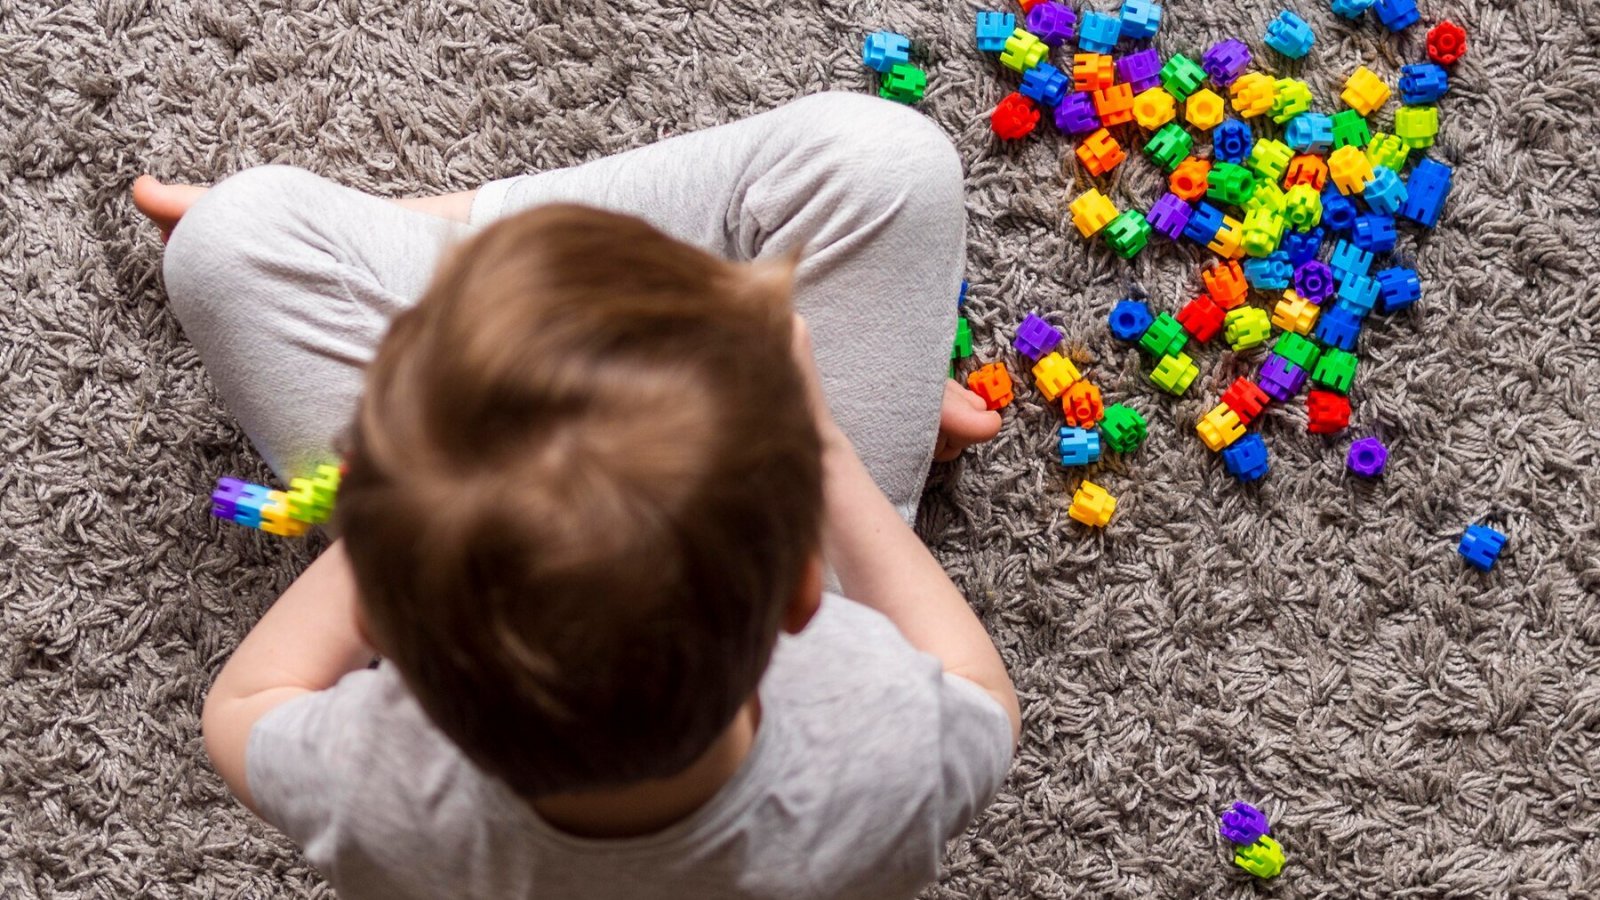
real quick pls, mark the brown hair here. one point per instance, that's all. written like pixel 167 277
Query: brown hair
pixel 583 487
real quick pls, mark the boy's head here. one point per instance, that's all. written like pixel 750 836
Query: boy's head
pixel 584 489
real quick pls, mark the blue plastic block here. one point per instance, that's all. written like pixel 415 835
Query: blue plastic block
pixel 1481 546
pixel 1078 446
pixel 1301 246
pixel 1271 273
pixel 1231 141
pixel 1339 327
pixel 1098 31
pixel 1244 824
pixel 1398 288
pixel 1374 233
pixel 961 298
pixel 1385 193
pixel 993 28
pixel 1045 84
pixel 1426 191
pixel 1140 19
pixel 1351 9
pixel 247 506
pixel 1348 259
pixel 1246 459
pixel 1129 319
pixel 1422 84
pixel 1309 131
pixel 1338 211
pixel 1359 294
pixel 1204 223
pixel 884 50
pixel 1290 35
pixel 1397 14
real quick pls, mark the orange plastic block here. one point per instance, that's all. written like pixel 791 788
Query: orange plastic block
pixel 1082 405
pixel 1350 170
pixel 1295 313
pixel 1253 94
pixel 1188 180
pixel 1154 108
pixel 1114 104
pixel 1100 153
pixel 1092 72
pixel 1365 91
pixel 1092 505
pixel 1220 427
pixel 1226 284
pixel 1204 109
pixel 1091 212
pixel 1307 168
pixel 1228 242
pixel 1028 5
pixel 1053 375
pixel 993 384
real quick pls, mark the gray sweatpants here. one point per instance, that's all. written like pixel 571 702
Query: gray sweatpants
pixel 286 282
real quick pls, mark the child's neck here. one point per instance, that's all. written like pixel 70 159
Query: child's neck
pixel 649 806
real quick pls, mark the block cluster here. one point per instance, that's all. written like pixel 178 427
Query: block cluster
pixel 888 53
pixel 1254 849
pixel 308 501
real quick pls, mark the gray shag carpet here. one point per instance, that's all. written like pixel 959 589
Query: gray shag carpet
pixel 1312 643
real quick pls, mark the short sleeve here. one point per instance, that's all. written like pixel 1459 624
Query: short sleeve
pixel 975 749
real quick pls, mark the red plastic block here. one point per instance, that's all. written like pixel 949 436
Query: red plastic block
pixel 1082 406
pixel 1246 399
pixel 1100 153
pixel 1014 117
pixel 993 384
pixel 1202 318
pixel 1327 412
pixel 1306 169
pixel 1188 180
pixel 1447 42
pixel 1114 104
pixel 1226 284
pixel 1028 5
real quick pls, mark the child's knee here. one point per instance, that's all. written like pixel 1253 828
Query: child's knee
pixel 891 156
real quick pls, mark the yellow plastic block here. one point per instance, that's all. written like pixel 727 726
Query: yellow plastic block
pixel 1253 94
pixel 1154 108
pixel 1227 243
pixel 1053 375
pixel 1092 505
pixel 1350 170
pixel 275 518
pixel 1365 91
pixel 1220 428
pixel 1204 109
pixel 1295 313
pixel 1091 212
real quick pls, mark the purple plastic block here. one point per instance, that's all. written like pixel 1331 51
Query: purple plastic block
pixel 1226 60
pixel 225 499
pixel 1076 114
pixel 1314 281
pixel 1367 457
pixel 1036 337
pixel 1244 824
pixel 1169 215
pixel 1142 70
pixel 1280 378
pixel 1053 23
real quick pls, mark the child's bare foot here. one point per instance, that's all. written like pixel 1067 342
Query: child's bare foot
pixel 164 204
pixel 963 421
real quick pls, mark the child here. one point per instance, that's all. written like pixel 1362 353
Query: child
pixel 592 484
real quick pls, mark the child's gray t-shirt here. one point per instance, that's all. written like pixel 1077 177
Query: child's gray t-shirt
pixel 867 759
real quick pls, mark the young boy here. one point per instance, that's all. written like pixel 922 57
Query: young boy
pixel 593 483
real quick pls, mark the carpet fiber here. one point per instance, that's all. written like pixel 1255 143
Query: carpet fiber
pixel 1311 644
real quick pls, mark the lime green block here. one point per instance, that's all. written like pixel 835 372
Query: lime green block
pixel 1388 150
pixel 1417 125
pixel 1122 428
pixel 1174 374
pixel 1263 230
pixel 1269 159
pixel 1302 207
pixel 1246 327
pixel 1267 196
pixel 1293 98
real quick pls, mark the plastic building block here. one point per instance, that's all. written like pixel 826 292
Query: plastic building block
pixel 1100 153
pixel 1044 83
pixel 1367 457
pixel 1351 9
pixel 1246 327
pixel 1426 191
pixel 1338 328
pixel 1122 429
pixel 1358 294
pixel 1244 824
pixel 1310 131
pixel 1188 180
pixel 1229 239
pixel 1398 288
pixel 1338 211
pixel 1447 42
pixel 1082 406
pixel 1388 150
pixel 1204 223
pixel 1182 76
pixel 1271 273
pixel 1262 231
pixel 1219 427
pixel 1114 104
pixel 1053 23
pixel 1164 337
pixel 1365 92
pixel 1263 859
pixel 1295 314
pixel 1169 146
pixel 1231 142
pixel 1253 94
pixel 275 517
pixel 1229 183
pixel 1313 280
pixel 1141 69
pixel 1417 125
pixel 1269 159
pixel 1423 83
pixel 1140 19
pixel 1053 374
pixel 1174 374
pixel 1154 108
pixel 1350 129
pixel 1226 284
pixel 248 503
pixel 1128 233
pixel 1075 114
pixel 1397 14
pixel 1267 196
pixel 1298 350
pixel 1481 546
pixel 1290 35
pixel 1078 447
pixel 1036 337
pixel 883 50
pixel 1028 5
pixel 1350 170
pixel 1327 412
pixel 963 341
pixel 1302 246
pixel 1203 109
pixel 1092 505
pixel 993 383
pixel 1348 260
pixel 1293 99
pixel 224 499
pixel 1225 61
pixel 1014 117
pixel 1302 207
pixel 1092 212
pixel 992 30
pixel 1169 215
pixel 1098 32
pixel 1129 319
pixel 311 499
pixel 1093 72
pixel 1201 318
pixel 1336 370
pixel 1247 461
pixel 904 83
pixel 1022 51
pixel 1374 233
pixel 1280 378
pixel 1245 399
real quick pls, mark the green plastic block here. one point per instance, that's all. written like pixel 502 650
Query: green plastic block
pixel 1269 159
pixel 1388 150
pixel 1023 50
pixel 963 345
pixel 1293 98
pixel 1182 76
pixel 1128 233
pixel 1263 859
pixel 1302 207
pixel 1164 337
pixel 1246 327
pixel 1230 184
pixel 1169 146
pixel 1123 429
pixel 1417 125
pixel 1267 196
pixel 1263 230
pixel 1335 370
pixel 1350 129
pixel 903 83
pixel 1297 349
pixel 1174 374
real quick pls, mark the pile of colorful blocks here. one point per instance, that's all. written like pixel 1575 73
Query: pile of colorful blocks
pixel 291 513
pixel 1254 850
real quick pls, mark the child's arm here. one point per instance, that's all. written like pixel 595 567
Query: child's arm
pixel 305 643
